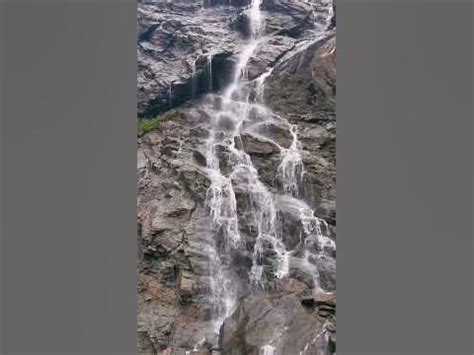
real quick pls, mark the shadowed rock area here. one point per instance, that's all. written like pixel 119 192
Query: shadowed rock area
pixel 187 54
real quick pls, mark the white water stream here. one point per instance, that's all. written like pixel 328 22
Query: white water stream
pixel 241 110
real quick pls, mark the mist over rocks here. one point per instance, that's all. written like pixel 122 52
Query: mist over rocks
pixel 249 157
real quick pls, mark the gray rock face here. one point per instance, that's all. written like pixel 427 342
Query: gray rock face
pixel 173 273
pixel 309 79
pixel 283 320
pixel 187 49
pixel 180 46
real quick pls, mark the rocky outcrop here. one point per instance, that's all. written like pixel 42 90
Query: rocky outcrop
pixel 187 49
pixel 173 230
pixel 309 75
pixel 283 319
pixel 309 79
pixel 182 52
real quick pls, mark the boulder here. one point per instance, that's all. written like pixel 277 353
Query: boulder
pixel 275 319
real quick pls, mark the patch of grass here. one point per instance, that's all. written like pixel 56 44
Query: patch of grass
pixel 149 124
pixel 152 124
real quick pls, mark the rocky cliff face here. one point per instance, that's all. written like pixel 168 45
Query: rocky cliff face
pixel 236 203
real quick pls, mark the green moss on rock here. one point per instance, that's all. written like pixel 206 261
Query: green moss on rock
pixel 151 124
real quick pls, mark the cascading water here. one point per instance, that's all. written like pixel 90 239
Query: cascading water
pixel 221 197
pixel 209 69
pixel 217 277
pixel 267 350
pixel 323 13
pixel 170 95
pixel 193 80
pixel 241 110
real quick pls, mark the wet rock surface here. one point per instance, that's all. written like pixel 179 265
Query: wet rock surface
pixel 188 48
pixel 284 318
pixel 176 40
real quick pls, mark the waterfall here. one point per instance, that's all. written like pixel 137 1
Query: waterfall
pixel 322 336
pixel 232 253
pixel 231 173
pixel 170 95
pixel 323 13
pixel 193 80
pixel 209 71
pixel 221 197
pixel 267 350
